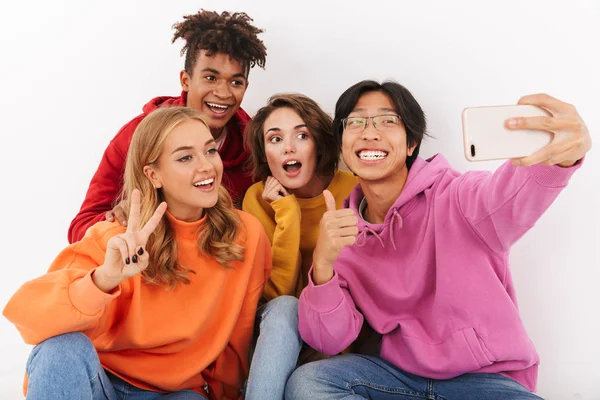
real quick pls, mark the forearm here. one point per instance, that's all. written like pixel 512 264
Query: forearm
pixel 102 192
pixel 504 205
pixel 285 249
pixel 82 222
pixel 328 318
pixel 58 302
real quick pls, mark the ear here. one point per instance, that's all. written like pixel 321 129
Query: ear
pixel 411 150
pixel 184 79
pixel 153 176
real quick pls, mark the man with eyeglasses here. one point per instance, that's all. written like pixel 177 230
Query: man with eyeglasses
pixel 421 253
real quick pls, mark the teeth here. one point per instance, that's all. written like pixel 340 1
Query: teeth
pixel 291 162
pixel 205 182
pixel 217 106
pixel 372 155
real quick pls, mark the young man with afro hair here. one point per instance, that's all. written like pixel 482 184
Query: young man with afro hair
pixel 220 50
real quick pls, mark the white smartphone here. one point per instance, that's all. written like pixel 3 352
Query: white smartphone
pixel 486 137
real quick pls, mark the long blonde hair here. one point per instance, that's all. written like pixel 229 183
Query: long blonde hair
pixel 217 236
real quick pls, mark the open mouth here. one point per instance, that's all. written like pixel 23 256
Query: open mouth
pixel 371 155
pixel 292 167
pixel 218 108
pixel 206 184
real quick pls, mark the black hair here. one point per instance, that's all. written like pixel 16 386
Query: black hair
pixel 406 106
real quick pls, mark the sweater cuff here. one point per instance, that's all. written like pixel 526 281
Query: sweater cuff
pixel 553 175
pixel 87 298
pixel 285 203
pixel 326 297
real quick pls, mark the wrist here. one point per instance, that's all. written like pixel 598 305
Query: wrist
pixel 567 164
pixel 103 282
pixel 322 273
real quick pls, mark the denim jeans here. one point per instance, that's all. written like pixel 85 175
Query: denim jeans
pixel 354 376
pixel 276 351
pixel 67 367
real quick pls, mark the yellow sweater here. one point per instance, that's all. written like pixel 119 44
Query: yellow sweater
pixel 292 225
pixel 154 338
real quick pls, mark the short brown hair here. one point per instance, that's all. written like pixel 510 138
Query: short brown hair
pixel 228 33
pixel 317 121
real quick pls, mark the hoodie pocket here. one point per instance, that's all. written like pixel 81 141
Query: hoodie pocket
pixel 462 352
pixel 478 348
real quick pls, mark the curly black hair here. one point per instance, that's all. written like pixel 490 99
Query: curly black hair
pixel 229 33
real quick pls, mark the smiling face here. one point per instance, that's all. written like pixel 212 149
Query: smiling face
pixel 373 155
pixel 189 170
pixel 291 152
pixel 215 89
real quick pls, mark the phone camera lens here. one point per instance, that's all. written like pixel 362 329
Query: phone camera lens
pixel 472 150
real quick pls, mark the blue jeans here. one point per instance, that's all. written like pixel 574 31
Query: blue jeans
pixel 67 367
pixel 354 376
pixel 276 351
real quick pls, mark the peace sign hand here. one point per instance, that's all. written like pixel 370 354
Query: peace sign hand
pixel 126 255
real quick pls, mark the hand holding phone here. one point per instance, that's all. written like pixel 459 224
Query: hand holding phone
pixel 486 136
pixel 539 130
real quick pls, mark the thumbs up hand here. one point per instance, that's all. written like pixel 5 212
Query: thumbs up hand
pixel 338 229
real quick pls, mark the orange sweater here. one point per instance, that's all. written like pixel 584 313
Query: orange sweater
pixel 154 338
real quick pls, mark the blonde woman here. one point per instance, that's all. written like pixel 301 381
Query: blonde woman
pixel 165 307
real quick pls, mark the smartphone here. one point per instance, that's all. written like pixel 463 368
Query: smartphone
pixel 486 137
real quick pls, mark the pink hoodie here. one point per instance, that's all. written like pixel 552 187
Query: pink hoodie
pixel 433 279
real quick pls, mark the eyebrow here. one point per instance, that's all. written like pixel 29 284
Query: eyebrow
pixel 385 109
pixel 216 72
pixel 212 140
pixel 275 129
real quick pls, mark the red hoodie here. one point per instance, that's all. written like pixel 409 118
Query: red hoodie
pixel 108 179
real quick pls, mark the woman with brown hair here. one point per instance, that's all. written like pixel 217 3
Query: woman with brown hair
pixel 164 308
pixel 295 161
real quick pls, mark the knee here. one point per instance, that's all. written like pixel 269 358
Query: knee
pixel 303 382
pixel 282 313
pixel 61 349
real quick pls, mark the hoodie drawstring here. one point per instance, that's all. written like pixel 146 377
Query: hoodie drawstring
pixel 396 219
pixel 363 235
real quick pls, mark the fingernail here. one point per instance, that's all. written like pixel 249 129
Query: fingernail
pixel 124 223
pixel 140 251
pixel 516 162
pixel 109 219
pixel 134 258
pixel 127 261
pixel 512 122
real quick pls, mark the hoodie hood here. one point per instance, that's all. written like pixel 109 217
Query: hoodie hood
pixel 421 176
pixel 233 153
pixel 162 101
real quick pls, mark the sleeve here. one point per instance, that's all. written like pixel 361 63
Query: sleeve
pixel 105 184
pixel 502 206
pixel 65 299
pixel 327 316
pixel 227 374
pixel 285 240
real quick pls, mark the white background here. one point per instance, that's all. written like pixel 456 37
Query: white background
pixel 73 72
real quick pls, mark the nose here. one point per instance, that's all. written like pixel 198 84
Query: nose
pixel 202 164
pixel 222 90
pixel 370 132
pixel 289 147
